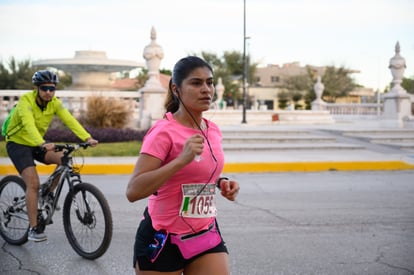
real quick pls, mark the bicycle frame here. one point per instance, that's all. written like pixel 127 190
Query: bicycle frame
pixel 66 173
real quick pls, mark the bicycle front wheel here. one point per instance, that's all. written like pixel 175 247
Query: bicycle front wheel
pixel 14 222
pixel 87 221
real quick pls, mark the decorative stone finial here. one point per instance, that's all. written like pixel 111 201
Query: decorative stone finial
pixel 153 53
pixel 220 91
pixel 318 88
pixel 397 67
pixel 153 34
pixel 318 104
pixel 153 93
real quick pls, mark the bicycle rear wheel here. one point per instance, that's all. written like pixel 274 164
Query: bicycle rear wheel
pixel 14 222
pixel 87 221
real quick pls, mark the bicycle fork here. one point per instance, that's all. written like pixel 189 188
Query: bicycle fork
pixel 88 216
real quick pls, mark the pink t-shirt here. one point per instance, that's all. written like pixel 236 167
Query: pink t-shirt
pixel 165 141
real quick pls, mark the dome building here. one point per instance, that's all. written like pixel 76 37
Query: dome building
pixel 90 70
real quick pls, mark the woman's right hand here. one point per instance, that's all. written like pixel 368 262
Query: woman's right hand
pixel 192 147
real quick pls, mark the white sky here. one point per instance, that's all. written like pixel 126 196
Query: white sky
pixel 357 34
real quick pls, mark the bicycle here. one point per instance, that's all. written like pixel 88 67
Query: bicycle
pixel 87 218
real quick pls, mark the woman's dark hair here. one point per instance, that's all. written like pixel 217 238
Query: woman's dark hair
pixel 181 71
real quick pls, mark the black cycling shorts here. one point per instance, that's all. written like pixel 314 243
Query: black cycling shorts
pixel 170 258
pixel 24 156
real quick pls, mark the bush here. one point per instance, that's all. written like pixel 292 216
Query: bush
pixel 105 112
pixel 102 135
pixel 58 132
pixel 105 119
pixel 283 99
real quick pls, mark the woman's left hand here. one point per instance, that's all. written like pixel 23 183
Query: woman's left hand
pixel 229 189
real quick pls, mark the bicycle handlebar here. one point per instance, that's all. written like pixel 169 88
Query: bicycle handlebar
pixel 71 147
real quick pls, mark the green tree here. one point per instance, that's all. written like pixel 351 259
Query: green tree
pixel 4 77
pixel 301 86
pixel 65 80
pixel 283 99
pixel 296 97
pixel 141 78
pixel 221 70
pixel 337 82
pixel 297 83
pixel 308 98
pixel 408 84
pixel 16 75
pixel 164 71
pixel 230 68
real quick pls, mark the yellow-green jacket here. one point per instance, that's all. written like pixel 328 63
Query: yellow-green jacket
pixel 29 122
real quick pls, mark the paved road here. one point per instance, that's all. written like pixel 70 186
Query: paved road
pixel 283 223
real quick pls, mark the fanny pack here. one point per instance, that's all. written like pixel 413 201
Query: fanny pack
pixel 191 245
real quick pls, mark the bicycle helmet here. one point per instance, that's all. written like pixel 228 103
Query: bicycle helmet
pixel 44 76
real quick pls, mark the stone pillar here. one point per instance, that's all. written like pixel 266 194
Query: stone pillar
pixel 152 95
pixel 397 103
pixel 318 104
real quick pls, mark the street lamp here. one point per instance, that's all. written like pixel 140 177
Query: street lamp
pixel 244 63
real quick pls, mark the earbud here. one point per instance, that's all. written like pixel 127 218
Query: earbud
pixel 176 99
pixel 177 95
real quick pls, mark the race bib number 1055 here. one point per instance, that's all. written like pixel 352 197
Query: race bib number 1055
pixel 199 200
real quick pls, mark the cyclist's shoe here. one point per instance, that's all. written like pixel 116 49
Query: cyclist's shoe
pixel 35 235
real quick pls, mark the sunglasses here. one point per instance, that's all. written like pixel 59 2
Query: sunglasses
pixel 47 88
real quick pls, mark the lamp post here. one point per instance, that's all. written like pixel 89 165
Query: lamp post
pixel 244 63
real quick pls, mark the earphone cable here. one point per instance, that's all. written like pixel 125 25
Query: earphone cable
pixel 211 153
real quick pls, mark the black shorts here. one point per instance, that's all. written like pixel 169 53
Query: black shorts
pixel 24 156
pixel 170 259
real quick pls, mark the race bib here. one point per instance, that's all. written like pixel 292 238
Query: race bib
pixel 199 200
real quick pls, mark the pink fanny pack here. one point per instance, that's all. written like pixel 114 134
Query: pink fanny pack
pixel 191 245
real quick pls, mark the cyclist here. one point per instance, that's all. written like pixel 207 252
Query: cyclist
pixel 25 143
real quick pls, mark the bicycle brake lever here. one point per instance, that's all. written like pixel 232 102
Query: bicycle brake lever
pixel 84 145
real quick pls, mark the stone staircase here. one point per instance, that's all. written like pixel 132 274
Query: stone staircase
pixel 398 138
pixel 250 139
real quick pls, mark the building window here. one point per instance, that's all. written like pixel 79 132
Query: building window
pixel 274 79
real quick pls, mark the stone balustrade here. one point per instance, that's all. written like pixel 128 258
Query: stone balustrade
pixel 76 101
pixel 371 109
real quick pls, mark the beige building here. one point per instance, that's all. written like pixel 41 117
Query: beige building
pixel 274 75
pixel 268 82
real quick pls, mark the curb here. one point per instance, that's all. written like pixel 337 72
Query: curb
pixel 248 167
